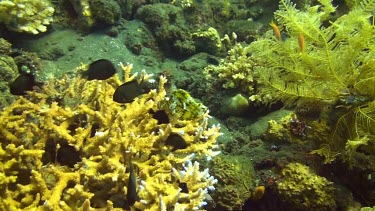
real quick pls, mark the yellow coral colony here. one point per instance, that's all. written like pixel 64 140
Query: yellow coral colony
pixel 107 136
pixel 30 16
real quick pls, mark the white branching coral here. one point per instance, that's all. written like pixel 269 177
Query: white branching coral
pixel 197 182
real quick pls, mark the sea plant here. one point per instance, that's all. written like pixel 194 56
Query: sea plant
pixel 319 59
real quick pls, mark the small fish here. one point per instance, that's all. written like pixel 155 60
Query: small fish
pixel 283 37
pixel 131 194
pixel 95 127
pixel 101 69
pixel 176 141
pixel 161 116
pixel 24 82
pixel 213 60
pixel 127 92
pixel 372 18
pixel 67 155
pixel 301 42
pixel 276 30
pixel 184 187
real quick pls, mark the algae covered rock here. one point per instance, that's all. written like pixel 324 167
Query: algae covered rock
pixel 8 73
pixel 301 189
pixel 236 105
pixel 5 47
pixel 207 40
pixel 106 12
pixel 261 126
pixel 235 176
pixel 8 69
pixel 183 106
pixel 169 27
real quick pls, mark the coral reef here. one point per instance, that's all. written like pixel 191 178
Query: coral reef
pixel 302 189
pixel 70 147
pixel 30 16
pixel 284 131
pixel 293 130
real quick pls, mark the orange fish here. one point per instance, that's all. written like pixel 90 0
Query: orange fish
pixel 276 30
pixel 301 42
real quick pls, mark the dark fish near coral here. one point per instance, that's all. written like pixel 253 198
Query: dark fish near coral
pixel 127 92
pixel 131 194
pixel 24 82
pixel 184 187
pixel 176 141
pixel 161 116
pixel 101 69
pixel 68 155
pixel 213 60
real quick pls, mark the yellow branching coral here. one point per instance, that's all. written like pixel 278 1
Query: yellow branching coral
pixel 30 16
pixel 70 146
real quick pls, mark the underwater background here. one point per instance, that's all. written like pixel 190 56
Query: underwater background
pixel 255 105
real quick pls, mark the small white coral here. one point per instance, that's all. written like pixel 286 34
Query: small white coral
pixel 198 183
pixel 183 3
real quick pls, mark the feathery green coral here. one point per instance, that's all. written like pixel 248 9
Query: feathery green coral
pixel 323 61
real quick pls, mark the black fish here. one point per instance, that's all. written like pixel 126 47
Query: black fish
pixel 161 116
pixel 68 155
pixel 131 194
pixel 176 141
pixel 184 187
pixel 49 155
pixel 127 92
pixel 24 82
pixel 212 60
pixel 101 69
